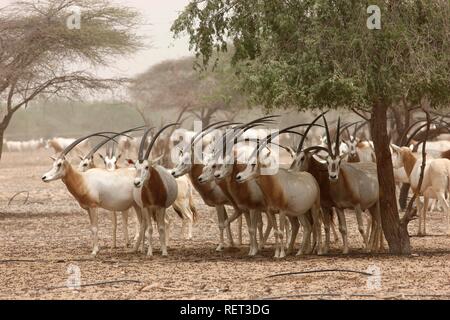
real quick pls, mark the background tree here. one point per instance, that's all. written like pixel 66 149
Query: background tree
pixel 175 86
pixel 320 54
pixel 41 56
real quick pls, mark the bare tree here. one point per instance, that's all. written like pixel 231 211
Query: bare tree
pixel 41 56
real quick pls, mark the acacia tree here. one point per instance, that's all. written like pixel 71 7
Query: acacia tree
pixel 175 85
pixel 41 56
pixel 309 54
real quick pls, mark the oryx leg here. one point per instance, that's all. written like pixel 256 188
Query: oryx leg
pixel 419 213
pixel 93 217
pixel 221 221
pixel 228 228
pixel 359 218
pixel 140 217
pixel 260 230
pixel 327 218
pixel 425 209
pixel 248 222
pixel 343 229
pixel 269 227
pixel 327 222
pixel 239 231
pixel 125 227
pixel 160 215
pixel 252 232
pixel 282 217
pixel 273 221
pixel 307 229
pixel 446 207
pixel 295 226
pixel 149 215
pixel 317 225
pixel 288 231
pixel 114 227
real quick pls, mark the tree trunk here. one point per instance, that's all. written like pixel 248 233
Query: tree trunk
pixel 1 141
pixel 396 237
pixel 3 125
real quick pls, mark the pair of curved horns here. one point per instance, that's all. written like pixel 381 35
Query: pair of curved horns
pixel 99 145
pixel 152 142
pixel 302 141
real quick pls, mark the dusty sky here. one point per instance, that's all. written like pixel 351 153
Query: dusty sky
pixel 160 14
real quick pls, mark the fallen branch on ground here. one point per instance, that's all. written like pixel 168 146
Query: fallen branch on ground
pixel 16 194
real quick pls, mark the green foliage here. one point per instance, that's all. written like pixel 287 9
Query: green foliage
pixel 319 53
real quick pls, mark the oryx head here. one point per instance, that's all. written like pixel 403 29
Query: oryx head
pixel 334 157
pixel 60 164
pixel 85 164
pixel 143 164
pixel 110 159
pixel 58 170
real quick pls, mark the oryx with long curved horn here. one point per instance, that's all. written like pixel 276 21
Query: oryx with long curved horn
pixel 87 162
pixel 155 189
pixel 248 197
pixel 350 186
pixel 292 194
pixel 436 177
pixel 95 188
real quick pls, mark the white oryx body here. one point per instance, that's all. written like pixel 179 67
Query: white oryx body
pixel 435 184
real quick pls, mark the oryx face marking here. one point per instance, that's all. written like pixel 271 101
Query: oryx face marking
pixel 333 167
pixel 184 164
pixel 142 173
pixel 57 171
pixel 85 164
pixel 111 162
pixel 352 146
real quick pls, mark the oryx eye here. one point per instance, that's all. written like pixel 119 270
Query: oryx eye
pixel 59 164
pixel 146 168
pixel 85 165
pixel 253 165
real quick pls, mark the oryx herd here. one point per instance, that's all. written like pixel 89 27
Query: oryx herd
pixel 238 166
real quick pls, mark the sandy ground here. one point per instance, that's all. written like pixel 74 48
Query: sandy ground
pixel 45 236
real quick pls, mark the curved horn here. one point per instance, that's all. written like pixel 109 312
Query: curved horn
pixel 317 148
pixel 405 134
pixel 152 142
pixel 142 144
pixel 414 133
pixel 79 140
pixel 328 136
pixel 268 139
pixel 338 134
pixel 99 145
pixel 300 145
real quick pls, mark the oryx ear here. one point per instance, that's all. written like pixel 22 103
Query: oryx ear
pixel 100 155
pixel 81 158
pixel 53 158
pixel 118 157
pixel 344 156
pixel 156 160
pixel 129 161
pixel 319 157
pixel 395 148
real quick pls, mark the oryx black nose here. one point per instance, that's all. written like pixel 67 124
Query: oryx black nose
pixel 136 183
pixel 238 177
pixel 44 177
pixel 173 173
